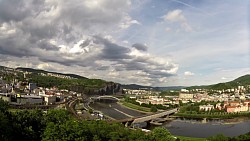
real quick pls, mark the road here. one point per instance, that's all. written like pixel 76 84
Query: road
pixel 115 110
pixel 70 105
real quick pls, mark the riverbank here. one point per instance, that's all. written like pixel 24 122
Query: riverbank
pixel 182 138
pixel 135 107
pixel 197 128
pixel 213 116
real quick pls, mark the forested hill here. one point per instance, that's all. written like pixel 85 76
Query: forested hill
pixel 241 81
pixel 48 79
pixel 43 71
pixel 137 87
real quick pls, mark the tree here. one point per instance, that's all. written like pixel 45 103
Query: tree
pixel 3 106
pixel 57 116
pixel 219 137
pixel 153 109
pixel 180 103
pixel 5 128
pixel 27 125
pixel 90 111
pixel 161 134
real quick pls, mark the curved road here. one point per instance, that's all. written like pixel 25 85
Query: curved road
pixel 115 110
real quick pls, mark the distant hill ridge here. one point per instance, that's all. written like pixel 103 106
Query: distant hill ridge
pixel 43 71
pixel 241 81
pixel 137 87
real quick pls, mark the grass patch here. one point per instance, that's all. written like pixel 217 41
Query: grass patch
pixel 15 110
pixel 182 138
pixel 136 107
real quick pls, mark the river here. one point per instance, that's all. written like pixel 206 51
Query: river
pixel 199 129
pixel 180 126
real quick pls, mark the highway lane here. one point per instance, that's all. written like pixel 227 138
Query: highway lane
pixel 127 110
pixel 115 110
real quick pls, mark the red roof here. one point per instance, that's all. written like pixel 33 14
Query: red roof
pixel 234 102
pixel 231 106
pixel 49 93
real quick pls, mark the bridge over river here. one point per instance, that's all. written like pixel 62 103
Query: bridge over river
pixel 147 118
pixel 154 116
pixel 126 116
pixel 105 97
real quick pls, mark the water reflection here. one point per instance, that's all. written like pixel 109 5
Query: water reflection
pixel 196 128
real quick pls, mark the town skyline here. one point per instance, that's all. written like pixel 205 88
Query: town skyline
pixel 156 43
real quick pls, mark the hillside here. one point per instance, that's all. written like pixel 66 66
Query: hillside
pixel 137 87
pixel 54 79
pixel 43 71
pixel 241 81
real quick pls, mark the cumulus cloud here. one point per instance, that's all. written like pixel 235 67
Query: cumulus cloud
pixel 127 22
pixel 76 34
pixel 188 73
pixel 44 66
pixel 177 16
pixel 141 47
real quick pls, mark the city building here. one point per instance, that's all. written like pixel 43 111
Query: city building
pixel 32 86
pixel 186 96
pixel 206 107
pixel 29 99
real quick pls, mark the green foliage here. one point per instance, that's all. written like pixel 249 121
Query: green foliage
pixel 55 125
pixel 169 93
pixel 90 111
pixel 57 116
pixel 192 111
pixel 161 134
pixel 71 84
pixel 28 125
pixel 194 107
pixel 245 137
pixel 153 109
pixel 136 107
pixel 193 114
pixel 241 81
pixel 157 106
pixel 5 129
pixel 90 130
pixel 3 106
pixel 219 137
pixel 59 125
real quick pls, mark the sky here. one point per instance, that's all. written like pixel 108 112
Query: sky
pixel 146 42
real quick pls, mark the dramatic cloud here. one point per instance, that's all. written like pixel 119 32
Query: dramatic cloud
pixel 141 47
pixel 77 34
pixel 125 41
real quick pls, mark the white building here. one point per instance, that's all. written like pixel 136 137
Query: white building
pixel 156 101
pixel 60 96
pixel 41 93
pixel 206 107
pixel 186 96
pixel 184 90
pixel 49 99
